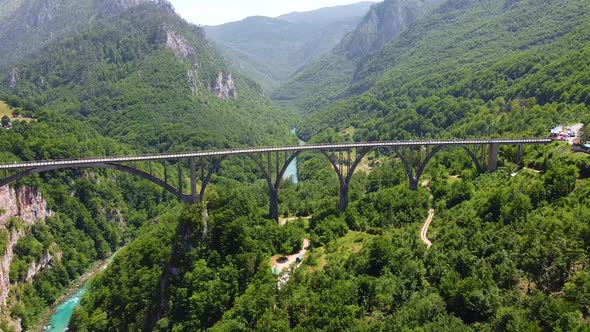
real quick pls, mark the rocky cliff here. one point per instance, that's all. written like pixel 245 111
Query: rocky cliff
pixel 177 43
pixel 383 23
pixel 24 203
pixel 12 78
pixel 28 205
pixel 224 86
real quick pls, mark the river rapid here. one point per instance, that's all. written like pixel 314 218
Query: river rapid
pixel 61 318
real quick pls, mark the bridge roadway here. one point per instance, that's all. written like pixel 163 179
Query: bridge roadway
pixel 247 151
pixel 273 162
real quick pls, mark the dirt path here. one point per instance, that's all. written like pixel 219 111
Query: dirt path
pixel 283 221
pixel 424 228
pixel 282 263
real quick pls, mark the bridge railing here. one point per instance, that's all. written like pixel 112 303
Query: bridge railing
pixel 240 151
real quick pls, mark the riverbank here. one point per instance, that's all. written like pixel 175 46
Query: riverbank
pixel 74 288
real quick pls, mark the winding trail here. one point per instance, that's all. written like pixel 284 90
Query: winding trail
pixel 424 228
pixel 428 220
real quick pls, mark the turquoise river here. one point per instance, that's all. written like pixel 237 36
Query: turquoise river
pixel 60 319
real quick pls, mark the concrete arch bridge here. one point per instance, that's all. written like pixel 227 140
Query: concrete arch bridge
pixel 273 162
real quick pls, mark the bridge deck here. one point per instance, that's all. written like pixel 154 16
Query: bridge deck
pixel 243 151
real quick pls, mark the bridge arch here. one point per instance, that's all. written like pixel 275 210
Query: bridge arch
pixel 274 183
pixel 118 167
pixel 415 156
pixel 415 177
pixel 413 171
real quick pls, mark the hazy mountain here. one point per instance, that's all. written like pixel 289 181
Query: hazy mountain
pixel 28 25
pixel 271 49
pixel 329 77
pixel 329 14
pixel 465 69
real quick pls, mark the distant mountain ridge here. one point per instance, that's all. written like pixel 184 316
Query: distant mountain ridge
pixel 328 14
pixel 465 69
pixel 330 76
pixel 269 50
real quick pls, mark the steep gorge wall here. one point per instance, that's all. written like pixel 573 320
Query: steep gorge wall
pixel 28 205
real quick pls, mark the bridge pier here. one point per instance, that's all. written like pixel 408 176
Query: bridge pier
pixel 343 197
pixel 414 182
pixel 193 175
pixel 273 168
pixel 274 204
pixel 190 199
pixel 493 157
pixel 344 165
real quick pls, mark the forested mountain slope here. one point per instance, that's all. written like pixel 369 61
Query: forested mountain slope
pixel 470 60
pixel 328 78
pixel 28 25
pixel 150 79
pixel 90 214
pixel 510 253
pixel 269 50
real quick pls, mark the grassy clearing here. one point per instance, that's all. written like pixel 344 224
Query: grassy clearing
pixel 337 252
pixel 5 109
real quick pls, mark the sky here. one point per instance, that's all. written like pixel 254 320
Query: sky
pixel 214 12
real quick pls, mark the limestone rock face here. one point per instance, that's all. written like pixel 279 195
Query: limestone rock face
pixel 12 78
pixel 224 86
pixel 46 13
pixel 177 43
pixel 192 78
pixel 45 262
pixel 27 205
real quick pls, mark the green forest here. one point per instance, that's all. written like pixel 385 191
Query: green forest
pixel 510 249
pixel 510 253
pixel 464 64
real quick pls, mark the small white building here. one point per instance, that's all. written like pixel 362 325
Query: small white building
pixel 567 133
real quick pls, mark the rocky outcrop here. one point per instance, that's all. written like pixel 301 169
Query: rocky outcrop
pixel 28 205
pixel 224 86
pixel 13 78
pixel 5 261
pixel 192 78
pixel 45 262
pixel 45 13
pixel 177 43
pixel 25 203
